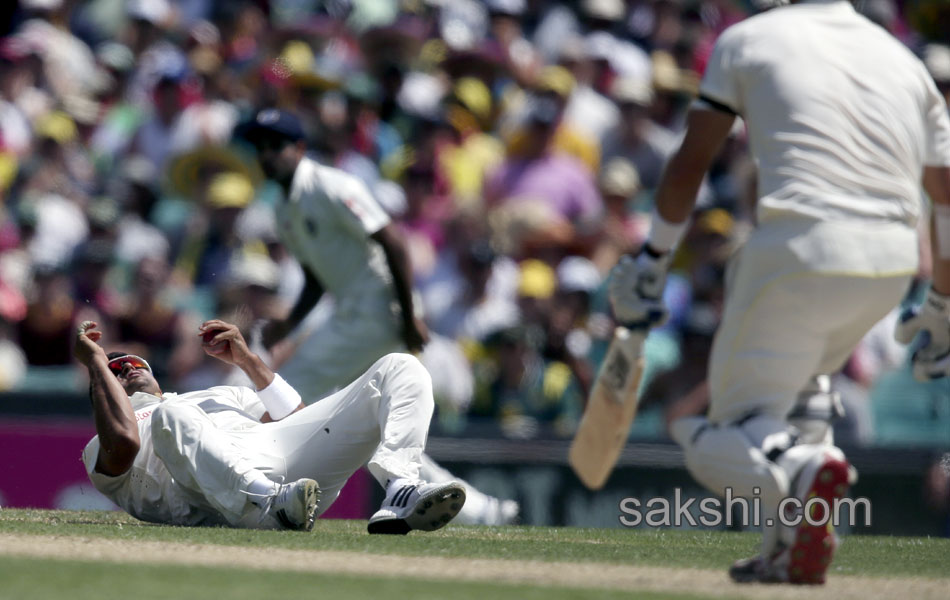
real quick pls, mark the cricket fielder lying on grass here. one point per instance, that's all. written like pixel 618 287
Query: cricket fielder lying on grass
pixel 845 125
pixel 220 456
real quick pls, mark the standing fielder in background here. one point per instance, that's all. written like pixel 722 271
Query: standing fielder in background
pixel 347 246
pixel 217 456
pixel 844 123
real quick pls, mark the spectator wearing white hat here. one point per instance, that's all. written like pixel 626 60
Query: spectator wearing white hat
pixel 587 109
pixel 601 19
pixel 638 139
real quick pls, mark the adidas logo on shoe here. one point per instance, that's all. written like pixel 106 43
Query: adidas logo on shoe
pixel 417 505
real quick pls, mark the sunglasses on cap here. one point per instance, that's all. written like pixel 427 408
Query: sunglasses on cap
pixel 137 362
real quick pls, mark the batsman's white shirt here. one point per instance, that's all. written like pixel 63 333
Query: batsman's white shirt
pixel 326 222
pixel 147 490
pixel 841 119
pixel 841 116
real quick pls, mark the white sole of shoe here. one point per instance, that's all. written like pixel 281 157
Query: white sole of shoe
pixel 310 495
pixel 438 507
pixel 430 512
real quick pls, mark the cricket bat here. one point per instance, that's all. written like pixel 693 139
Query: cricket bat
pixel 610 410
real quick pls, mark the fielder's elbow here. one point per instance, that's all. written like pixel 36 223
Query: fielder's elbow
pixel 116 457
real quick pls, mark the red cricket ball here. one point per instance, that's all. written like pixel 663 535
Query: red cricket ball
pixel 207 336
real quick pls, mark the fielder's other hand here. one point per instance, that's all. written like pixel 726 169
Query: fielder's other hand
pixel 87 348
pixel 931 320
pixel 636 290
pixel 224 341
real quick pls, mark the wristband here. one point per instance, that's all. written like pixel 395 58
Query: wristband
pixel 664 236
pixel 937 303
pixel 279 398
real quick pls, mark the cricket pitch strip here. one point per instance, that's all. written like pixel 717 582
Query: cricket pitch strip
pixel 591 576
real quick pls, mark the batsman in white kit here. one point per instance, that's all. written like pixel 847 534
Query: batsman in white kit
pixel 845 125
pixel 240 457
pixel 348 247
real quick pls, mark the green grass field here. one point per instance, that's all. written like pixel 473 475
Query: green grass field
pixel 59 554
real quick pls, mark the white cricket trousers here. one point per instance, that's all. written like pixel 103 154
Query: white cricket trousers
pixel 800 296
pixel 381 418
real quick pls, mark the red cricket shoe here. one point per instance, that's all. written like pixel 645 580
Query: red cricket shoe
pixel 826 476
pixel 804 559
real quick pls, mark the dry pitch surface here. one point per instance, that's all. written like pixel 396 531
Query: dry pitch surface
pixel 510 561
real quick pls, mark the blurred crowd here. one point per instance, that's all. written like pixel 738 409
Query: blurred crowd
pixel 517 143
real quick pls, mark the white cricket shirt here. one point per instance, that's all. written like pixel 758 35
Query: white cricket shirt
pixel 841 116
pixel 327 221
pixel 147 491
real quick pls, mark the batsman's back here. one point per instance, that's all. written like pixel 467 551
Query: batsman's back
pixel 836 110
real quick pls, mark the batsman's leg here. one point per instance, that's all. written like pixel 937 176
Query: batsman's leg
pixel 739 457
pixel 773 340
pixel 815 409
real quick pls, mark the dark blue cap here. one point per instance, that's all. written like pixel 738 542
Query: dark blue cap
pixel 273 123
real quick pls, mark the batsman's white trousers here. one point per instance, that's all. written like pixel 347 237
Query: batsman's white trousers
pixel 800 295
pixel 382 417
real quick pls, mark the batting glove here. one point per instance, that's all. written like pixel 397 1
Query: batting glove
pixel 931 320
pixel 636 289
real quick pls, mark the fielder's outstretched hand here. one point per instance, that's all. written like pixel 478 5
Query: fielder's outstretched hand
pixel 636 289
pixel 224 341
pixel 87 348
pixel 931 320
